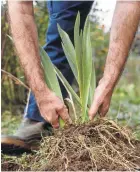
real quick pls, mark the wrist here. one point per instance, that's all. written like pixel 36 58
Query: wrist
pixel 36 81
pixel 39 89
pixel 107 83
pixel 113 69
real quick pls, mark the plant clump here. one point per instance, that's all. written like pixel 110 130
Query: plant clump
pixel 101 145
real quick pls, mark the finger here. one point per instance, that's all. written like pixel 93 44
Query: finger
pixel 55 122
pixel 63 112
pixel 52 117
pixel 103 109
pixel 93 109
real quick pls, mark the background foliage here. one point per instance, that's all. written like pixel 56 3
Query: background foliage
pixel 125 106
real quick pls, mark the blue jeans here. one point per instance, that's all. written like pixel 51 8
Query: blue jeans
pixel 64 13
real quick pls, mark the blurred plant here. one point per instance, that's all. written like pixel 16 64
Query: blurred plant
pixel 136 43
pixel 100 42
pixel 125 106
pixel 99 39
pixel 12 94
pixel 41 19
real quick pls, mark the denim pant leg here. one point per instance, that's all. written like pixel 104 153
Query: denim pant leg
pixel 64 13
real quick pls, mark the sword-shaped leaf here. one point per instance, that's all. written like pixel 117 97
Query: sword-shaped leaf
pixel 70 61
pixel 49 73
pixel 72 94
pixel 68 50
pixel 92 85
pixel 86 68
pixel 67 86
pixel 78 50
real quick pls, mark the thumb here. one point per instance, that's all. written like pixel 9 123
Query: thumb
pixel 63 112
pixel 52 117
pixel 55 122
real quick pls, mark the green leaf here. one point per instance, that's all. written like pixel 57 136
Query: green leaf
pixel 92 85
pixel 75 100
pixel 49 72
pixel 70 61
pixel 68 50
pixel 86 68
pixel 10 37
pixel 67 86
pixel 67 43
pixel 78 49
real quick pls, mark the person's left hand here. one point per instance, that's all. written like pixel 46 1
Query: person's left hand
pixel 102 98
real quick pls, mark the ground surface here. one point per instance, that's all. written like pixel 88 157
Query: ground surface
pixel 96 146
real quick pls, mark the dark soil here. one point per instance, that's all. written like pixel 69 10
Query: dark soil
pixel 7 166
pixel 96 146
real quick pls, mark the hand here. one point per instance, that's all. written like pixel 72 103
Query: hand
pixel 102 98
pixel 51 107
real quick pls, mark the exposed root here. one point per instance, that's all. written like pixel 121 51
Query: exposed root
pixel 95 146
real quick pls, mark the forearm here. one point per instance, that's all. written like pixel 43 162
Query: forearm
pixel 24 33
pixel 124 25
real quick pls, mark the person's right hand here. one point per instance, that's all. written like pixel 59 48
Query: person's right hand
pixel 51 107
